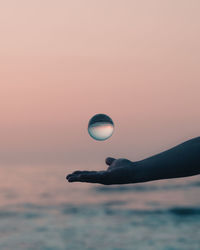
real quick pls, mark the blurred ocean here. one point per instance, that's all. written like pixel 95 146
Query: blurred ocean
pixel 40 210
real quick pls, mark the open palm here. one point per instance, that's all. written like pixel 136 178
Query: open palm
pixel 120 171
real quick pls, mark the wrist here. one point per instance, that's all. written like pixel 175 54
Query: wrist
pixel 141 172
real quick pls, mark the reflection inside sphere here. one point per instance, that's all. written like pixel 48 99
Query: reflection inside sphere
pixel 100 127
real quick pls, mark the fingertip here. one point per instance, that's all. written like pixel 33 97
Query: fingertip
pixel 74 174
pixel 72 179
pixel 110 160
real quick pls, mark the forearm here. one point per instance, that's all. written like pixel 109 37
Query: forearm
pixel 180 161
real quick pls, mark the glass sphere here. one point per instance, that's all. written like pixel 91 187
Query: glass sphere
pixel 100 127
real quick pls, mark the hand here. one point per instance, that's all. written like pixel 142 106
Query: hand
pixel 120 171
pixel 180 161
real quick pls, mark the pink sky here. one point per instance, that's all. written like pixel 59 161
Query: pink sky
pixel 63 61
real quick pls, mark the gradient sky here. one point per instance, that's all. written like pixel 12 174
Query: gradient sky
pixel 63 61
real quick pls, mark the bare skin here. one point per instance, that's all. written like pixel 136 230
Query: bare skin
pixel 180 161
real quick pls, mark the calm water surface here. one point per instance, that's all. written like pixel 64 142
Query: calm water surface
pixel 40 210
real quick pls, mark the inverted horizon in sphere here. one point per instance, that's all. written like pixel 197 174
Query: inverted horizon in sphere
pixel 100 127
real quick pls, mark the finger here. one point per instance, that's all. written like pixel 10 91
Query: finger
pixel 78 173
pixel 92 177
pixel 75 173
pixel 83 176
pixel 110 160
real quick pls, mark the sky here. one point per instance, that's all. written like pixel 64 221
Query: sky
pixel 61 62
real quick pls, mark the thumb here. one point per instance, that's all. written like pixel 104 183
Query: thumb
pixel 110 160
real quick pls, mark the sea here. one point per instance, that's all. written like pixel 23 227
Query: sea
pixel 40 210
